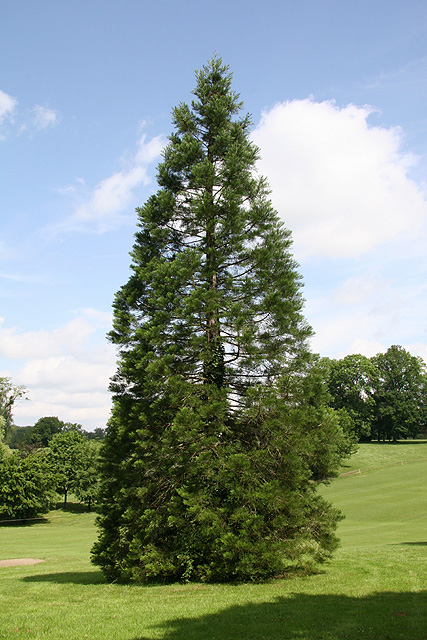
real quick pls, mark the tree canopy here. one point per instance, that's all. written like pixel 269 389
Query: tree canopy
pixel 26 486
pixel 44 429
pixel 400 395
pixel 214 449
pixel 70 459
pixel 384 396
pixel 351 385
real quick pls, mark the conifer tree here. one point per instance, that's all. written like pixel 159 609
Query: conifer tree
pixel 219 434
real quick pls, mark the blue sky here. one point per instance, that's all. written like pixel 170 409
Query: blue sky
pixel 337 92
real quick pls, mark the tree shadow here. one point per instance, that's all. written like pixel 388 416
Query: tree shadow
pixel 72 507
pixel 413 544
pixel 24 522
pixel 398 442
pixel 69 577
pixel 382 616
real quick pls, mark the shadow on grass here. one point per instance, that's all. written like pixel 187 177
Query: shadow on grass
pixel 382 616
pixel 69 577
pixel 412 544
pixel 397 443
pixel 24 522
pixel 72 507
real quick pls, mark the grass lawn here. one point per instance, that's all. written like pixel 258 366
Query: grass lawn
pixel 374 588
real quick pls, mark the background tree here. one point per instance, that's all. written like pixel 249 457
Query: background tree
pixel 400 395
pixel 86 485
pixel 208 471
pixel 73 426
pixel 20 437
pixel 331 437
pixel 26 486
pixel 9 394
pixel 97 434
pixel 351 383
pixel 44 429
pixel 68 460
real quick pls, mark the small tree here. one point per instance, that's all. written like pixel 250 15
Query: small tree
pixel 86 487
pixel 208 468
pixel 68 460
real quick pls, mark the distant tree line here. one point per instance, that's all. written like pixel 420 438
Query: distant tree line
pixel 42 431
pixel 40 463
pixel 381 398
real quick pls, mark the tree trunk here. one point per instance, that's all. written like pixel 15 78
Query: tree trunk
pixel 214 363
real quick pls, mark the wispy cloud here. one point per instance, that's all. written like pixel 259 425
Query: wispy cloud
pixel 7 105
pixel 44 117
pixel 7 109
pixel 411 75
pixel 34 119
pixel 107 205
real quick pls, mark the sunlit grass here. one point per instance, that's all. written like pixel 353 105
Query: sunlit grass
pixel 374 588
pixel 375 455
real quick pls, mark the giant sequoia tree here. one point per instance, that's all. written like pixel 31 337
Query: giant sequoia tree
pixel 218 435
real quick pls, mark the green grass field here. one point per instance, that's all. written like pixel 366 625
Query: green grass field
pixel 374 588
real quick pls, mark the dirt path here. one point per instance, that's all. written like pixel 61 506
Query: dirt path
pixel 16 562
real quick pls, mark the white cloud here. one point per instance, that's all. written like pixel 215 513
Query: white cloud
pixel 418 349
pixel 102 210
pixel 341 185
pixel 357 291
pixel 66 370
pixel 44 117
pixel 70 338
pixel 367 314
pixel 89 410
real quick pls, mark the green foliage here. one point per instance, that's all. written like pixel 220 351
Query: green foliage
pixel 20 437
pixel 213 453
pixel 86 485
pixel 400 395
pixel 9 394
pixel 44 429
pixel 70 460
pixel 96 434
pixel 39 435
pixel 383 397
pixel 3 448
pixel 351 384
pixel 25 486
